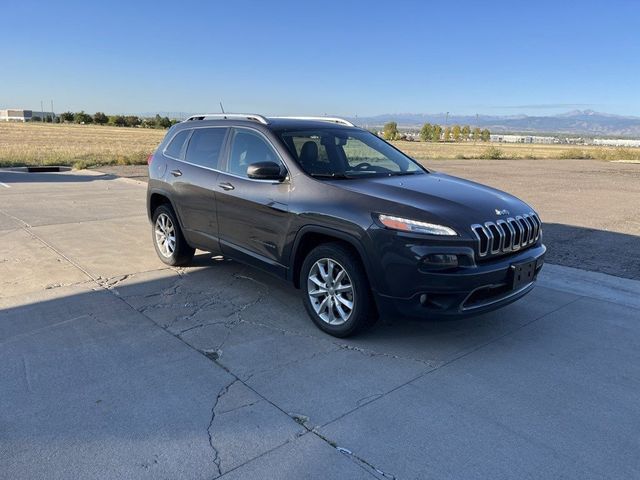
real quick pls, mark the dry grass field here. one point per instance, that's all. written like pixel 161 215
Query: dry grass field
pixel 75 145
pixel 428 150
pixel 88 145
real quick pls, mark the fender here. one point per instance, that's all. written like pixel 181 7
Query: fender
pixel 167 195
pixel 351 239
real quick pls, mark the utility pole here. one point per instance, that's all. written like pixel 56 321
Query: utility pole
pixel 52 114
pixel 477 126
pixel 41 111
pixel 446 125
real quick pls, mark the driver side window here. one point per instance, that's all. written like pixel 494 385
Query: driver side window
pixel 247 148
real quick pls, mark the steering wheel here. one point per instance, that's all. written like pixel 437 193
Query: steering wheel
pixel 363 166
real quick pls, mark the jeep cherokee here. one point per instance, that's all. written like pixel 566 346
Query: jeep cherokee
pixel 362 229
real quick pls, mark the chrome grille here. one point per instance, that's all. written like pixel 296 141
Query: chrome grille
pixel 507 235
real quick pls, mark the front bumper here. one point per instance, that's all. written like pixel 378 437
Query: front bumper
pixel 463 292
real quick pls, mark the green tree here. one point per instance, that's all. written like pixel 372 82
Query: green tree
pixel 456 132
pixel 447 134
pixel 35 118
pixel 476 134
pixel 437 133
pixel 485 135
pixel 100 118
pixel 117 120
pixel 426 134
pixel 164 122
pixel 466 131
pixel 66 116
pixel 132 120
pixel 390 131
pixel 81 117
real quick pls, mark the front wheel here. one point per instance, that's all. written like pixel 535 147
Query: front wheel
pixel 168 240
pixel 336 292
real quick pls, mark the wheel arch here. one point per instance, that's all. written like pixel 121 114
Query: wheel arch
pixel 155 198
pixel 311 236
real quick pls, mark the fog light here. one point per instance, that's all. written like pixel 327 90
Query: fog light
pixel 440 261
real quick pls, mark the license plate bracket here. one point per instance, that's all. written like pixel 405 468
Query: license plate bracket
pixel 522 274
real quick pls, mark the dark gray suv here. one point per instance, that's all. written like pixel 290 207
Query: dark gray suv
pixel 358 226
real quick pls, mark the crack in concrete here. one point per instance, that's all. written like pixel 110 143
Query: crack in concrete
pixel 290 363
pixel 365 463
pixel 112 282
pixel 216 457
pixel 240 407
pixel 361 462
pixel 340 345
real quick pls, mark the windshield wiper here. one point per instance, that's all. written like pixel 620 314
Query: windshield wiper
pixel 330 175
pixel 397 174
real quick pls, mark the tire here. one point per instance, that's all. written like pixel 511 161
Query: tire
pixel 167 237
pixel 328 303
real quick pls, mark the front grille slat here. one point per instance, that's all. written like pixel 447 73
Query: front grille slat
pixel 508 235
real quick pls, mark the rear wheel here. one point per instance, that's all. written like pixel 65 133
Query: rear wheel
pixel 168 240
pixel 336 292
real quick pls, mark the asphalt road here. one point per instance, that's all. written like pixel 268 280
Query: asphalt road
pixel 114 366
pixel 590 208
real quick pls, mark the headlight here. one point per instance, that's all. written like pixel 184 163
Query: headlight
pixel 414 226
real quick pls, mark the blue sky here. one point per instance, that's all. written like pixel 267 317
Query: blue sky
pixel 337 57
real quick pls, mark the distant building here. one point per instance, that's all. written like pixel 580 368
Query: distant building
pixel 15 115
pixel 21 115
pixel 505 138
pixel 616 142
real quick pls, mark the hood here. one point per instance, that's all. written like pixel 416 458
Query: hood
pixel 437 197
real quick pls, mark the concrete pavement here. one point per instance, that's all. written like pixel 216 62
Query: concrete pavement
pixel 114 366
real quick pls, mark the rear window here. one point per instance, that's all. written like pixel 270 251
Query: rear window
pixel 175 146
pixel 204 146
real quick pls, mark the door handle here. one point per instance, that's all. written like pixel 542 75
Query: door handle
pixel 226 186
pixel 176 173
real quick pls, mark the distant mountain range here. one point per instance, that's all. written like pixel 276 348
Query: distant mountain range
pixel 576 122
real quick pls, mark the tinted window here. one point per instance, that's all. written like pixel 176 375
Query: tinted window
pixel 204 146
pixel 175 146
pixel 248 148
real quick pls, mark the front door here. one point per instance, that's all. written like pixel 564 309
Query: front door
pixel 253 215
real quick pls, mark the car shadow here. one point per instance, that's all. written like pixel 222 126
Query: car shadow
pixel 10 177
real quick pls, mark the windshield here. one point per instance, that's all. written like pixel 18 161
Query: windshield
pixel 341 153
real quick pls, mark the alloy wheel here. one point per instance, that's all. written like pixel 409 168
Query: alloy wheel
pixel 330 291
pixel 165 233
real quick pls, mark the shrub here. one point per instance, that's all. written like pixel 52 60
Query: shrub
pixel 492 153
pixel 574 154
pixel 79 165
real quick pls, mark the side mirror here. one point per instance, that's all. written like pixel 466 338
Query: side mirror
pixel 265 171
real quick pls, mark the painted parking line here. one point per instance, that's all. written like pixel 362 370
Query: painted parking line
pixel 4 185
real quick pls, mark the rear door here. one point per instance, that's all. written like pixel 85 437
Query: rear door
pixel 194 178
pixel 253 215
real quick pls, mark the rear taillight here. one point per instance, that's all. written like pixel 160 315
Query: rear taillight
pixel 150 159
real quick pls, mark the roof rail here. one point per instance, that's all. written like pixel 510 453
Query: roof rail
pixel 229 116
pixel 338 120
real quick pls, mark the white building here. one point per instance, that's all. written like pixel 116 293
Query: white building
pixel 15 115
pixel 22 115
pixel 505 138
pixel 616 142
